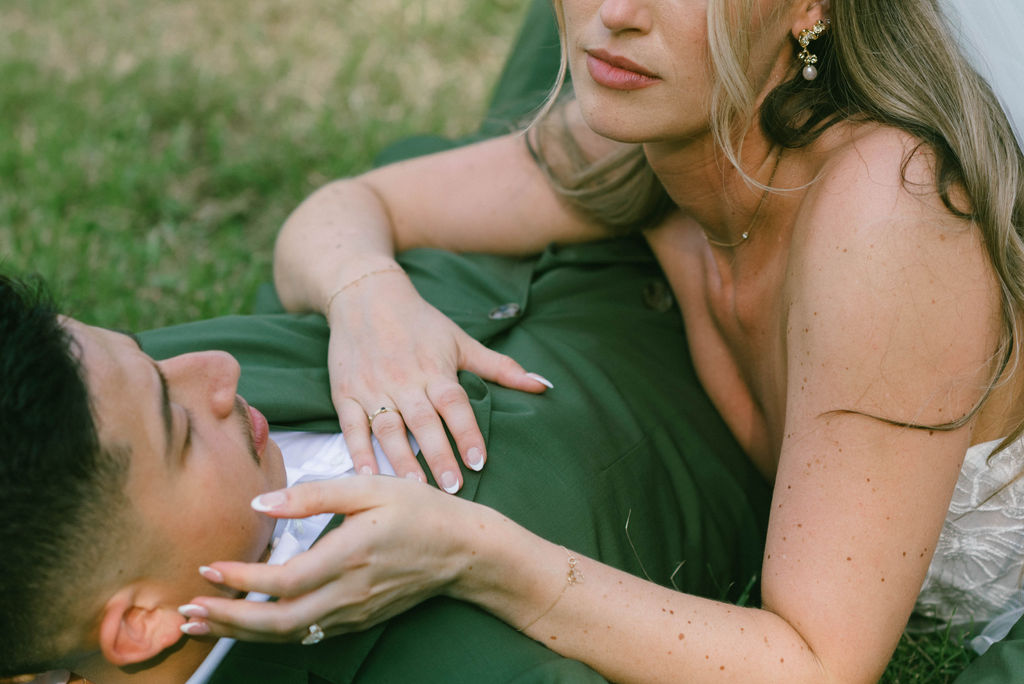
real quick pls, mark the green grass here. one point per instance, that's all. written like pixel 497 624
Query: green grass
pixel 151 150
pixel 155 148
pixel 928 659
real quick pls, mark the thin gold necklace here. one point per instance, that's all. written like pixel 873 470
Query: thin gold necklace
pixel 764 196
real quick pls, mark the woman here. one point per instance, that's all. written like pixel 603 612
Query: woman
pixel 835 199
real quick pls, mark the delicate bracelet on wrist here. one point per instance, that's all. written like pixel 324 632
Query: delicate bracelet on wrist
pixel 389 269
pixel 573 576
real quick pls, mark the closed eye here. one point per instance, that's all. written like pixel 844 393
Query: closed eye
pixel 188 432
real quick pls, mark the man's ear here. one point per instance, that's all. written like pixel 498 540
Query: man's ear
pixel 133 630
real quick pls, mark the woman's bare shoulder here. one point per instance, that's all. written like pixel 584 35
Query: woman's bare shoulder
pixel 893 279
pixel 877 186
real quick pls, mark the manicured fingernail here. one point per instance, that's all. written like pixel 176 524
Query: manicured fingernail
pixel 450 482
pixel 191 610
pixel 211 575
pixel 269 501
pixel 414 476
pixel 365 470
pixel 195 628
pixel 541 379
pixel 475 459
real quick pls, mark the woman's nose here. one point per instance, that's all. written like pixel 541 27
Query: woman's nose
pixel 626 15
pixel 210 377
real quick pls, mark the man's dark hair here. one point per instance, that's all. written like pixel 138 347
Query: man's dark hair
pixel 59 489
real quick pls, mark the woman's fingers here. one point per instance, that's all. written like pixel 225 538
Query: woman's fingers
pixel 423 420
pixel 385 421
pixel 355 576
pixel 355 425
pixel 282 621
pixel 344 495
pixel 451 403
pixel 501 369
pixel 388 425
pixel 287 580
pixel 289 620
pixel 408 365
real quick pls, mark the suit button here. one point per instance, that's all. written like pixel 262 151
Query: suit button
pixel 505 311
pixel 658 296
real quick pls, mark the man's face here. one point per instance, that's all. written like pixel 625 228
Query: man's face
pixel 199 454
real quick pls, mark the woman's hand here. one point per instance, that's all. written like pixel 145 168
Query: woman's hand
pixel 397 547
pixel 389 348
pixel 393 361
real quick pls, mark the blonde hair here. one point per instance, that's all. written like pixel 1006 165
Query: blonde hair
pixel 894 62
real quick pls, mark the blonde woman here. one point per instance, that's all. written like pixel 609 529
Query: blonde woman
pixel 834 195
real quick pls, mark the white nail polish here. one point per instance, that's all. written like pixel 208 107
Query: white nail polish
pixel 450 482
pixel 365 470
pixel 191 610
pixel 195 628
pixel 210 574
pixel 268 502
pixel 475 459
pixel 541 379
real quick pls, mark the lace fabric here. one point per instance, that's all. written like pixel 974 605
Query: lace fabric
pixel 977 573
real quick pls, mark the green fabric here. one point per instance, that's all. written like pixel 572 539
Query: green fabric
pixel 530 72
pixel 523 87
pixel 627 434
pixel 1003 663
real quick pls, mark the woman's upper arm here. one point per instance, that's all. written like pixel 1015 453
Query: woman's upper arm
pixel 893 317
pixel 489 197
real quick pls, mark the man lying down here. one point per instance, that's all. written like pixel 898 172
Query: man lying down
pixel 122 475
pixel 139 492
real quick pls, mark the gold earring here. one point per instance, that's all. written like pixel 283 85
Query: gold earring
pixel 810 72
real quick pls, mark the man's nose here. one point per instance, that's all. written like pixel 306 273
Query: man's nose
pixel 210 377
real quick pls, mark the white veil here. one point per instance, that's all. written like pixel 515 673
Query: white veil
pixel 991 36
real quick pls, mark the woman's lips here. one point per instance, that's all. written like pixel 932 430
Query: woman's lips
pixel 618 73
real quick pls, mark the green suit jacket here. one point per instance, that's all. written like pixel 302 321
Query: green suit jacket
pixel 626 435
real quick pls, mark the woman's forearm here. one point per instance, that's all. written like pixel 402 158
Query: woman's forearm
pixel 628 629
pixel 487 197
pixel 338 234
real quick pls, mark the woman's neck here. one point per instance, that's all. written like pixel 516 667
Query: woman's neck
pixel 709 189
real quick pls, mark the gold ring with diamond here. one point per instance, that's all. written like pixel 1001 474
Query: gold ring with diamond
pixel 384 409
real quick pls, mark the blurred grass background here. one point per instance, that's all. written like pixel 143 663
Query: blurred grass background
pixel 150 150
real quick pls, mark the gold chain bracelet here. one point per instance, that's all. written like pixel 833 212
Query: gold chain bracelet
pixel 573 576
pixel 389 269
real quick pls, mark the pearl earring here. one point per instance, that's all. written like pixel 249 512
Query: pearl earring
pixel 810 71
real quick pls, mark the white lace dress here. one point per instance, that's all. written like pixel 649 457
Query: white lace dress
pixel 977 573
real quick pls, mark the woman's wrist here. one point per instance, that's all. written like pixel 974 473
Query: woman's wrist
pixel 496 544
pixel 354 281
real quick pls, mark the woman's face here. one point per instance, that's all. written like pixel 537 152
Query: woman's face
pixel 641 69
